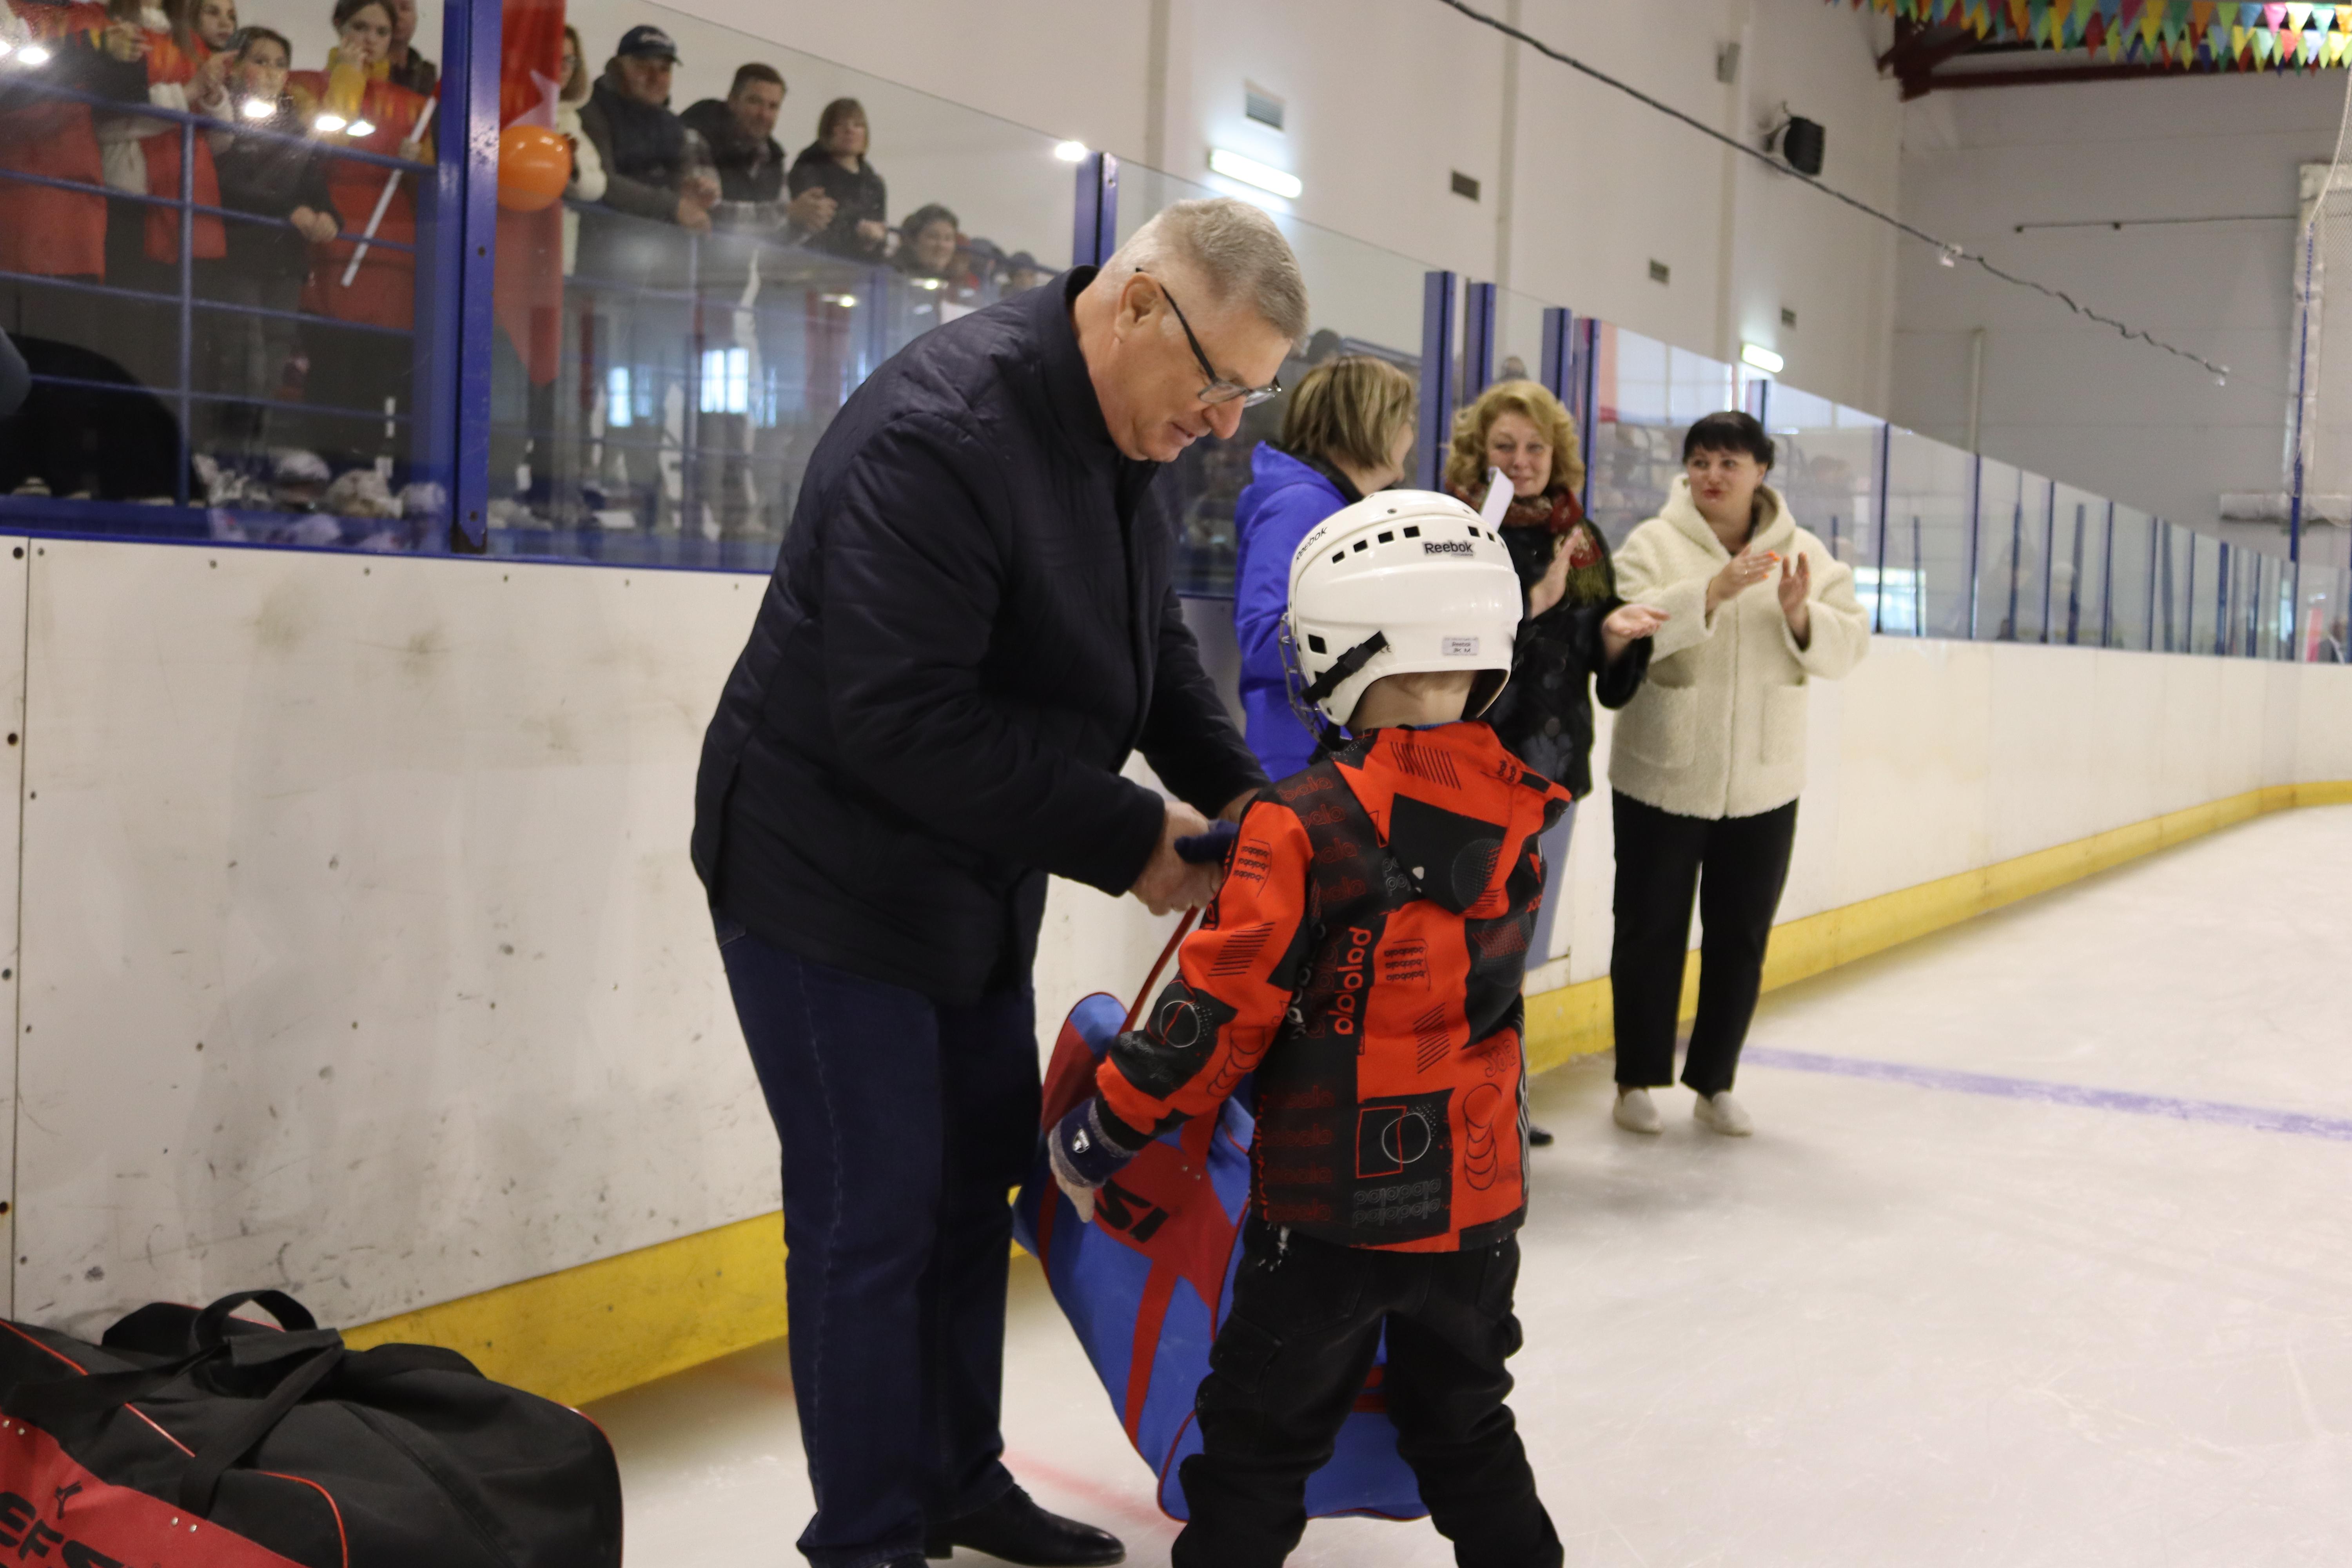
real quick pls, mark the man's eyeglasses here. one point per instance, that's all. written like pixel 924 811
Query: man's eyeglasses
pixel 1219 389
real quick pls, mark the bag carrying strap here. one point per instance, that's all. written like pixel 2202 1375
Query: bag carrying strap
pixel 201 1480
pixel 319 1353
pixel 210 1330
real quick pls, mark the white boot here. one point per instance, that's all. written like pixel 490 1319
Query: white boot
pixel 1635 1113
pixel 1721 1113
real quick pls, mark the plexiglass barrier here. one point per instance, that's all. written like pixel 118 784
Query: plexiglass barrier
pixel 300 317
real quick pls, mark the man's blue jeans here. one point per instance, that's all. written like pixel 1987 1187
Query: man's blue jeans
pixel 904 1123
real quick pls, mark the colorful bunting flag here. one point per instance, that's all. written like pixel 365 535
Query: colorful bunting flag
pixel 2244 35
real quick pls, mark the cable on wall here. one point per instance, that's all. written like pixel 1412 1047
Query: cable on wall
pixel 1952 254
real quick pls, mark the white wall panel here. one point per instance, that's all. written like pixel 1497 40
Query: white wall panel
pixel 365 955
pixel 403 845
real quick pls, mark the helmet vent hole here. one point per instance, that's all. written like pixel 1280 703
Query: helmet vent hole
pixel 1388 538
pixel 1413 531
pixel 1361 547
pixel 1474 530
pixel 1315 643
pixel 1337 556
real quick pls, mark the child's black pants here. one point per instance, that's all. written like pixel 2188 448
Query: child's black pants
pixel 1287 1369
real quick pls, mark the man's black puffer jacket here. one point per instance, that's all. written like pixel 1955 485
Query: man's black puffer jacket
pixel 972 625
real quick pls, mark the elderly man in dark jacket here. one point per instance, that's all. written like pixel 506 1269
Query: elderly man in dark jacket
pixel 972 626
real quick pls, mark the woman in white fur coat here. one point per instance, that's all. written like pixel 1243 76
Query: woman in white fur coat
pixel 1707 762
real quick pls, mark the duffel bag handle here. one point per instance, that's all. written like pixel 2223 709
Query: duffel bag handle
pixel 211 1327
pixel 201 1480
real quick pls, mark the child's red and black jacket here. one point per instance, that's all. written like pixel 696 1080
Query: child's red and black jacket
pixel 1363 958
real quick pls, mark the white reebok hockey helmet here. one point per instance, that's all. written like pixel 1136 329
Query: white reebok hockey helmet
pixel 1399 582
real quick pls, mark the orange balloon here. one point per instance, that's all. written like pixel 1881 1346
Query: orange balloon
pixel 534 165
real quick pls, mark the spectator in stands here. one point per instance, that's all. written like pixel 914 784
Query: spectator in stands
pixel 2332 646
pixel 141 156
pixel 926 242
pixel 931 253
pixel 642 145
pixel 751 163
pixel 1023 272
pixel 587 183
pixel 268 263
pixel 1707 762
pixel 404 65
pixel 348 105
pixel 1576 630
pixel 836 164
pixel 52 232
pixel 1346 433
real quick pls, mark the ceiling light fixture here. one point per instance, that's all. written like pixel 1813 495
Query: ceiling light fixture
pixel 1070 151
pixel 1757 356
pixel 328 123
pixel 1250 172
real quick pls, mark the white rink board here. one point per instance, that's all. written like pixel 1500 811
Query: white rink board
pixel 298 806
pixel 403 843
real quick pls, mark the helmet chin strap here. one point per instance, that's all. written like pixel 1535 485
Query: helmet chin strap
pixel 1343 669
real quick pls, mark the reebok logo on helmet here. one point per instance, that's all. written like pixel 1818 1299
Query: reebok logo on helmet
pixel 1447 547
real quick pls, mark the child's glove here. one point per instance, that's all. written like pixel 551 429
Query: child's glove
pixel 1084 1156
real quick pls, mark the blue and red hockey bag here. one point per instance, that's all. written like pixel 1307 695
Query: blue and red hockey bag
pixel 1147 1285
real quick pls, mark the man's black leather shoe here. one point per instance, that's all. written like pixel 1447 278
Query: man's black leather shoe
pixel 1015 1530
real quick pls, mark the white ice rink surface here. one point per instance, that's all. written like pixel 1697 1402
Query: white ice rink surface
pixel 2067 1281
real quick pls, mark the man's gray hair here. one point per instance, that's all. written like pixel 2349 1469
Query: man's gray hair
pixel 1233 248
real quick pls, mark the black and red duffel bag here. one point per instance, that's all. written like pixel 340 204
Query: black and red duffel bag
pixel 193 1439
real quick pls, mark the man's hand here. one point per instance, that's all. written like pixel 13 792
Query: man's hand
pixel 693 214
pixel 1795 587
pixel 1627 624
pixel 1169 883
pixel 316 227
pixel 811 211
pixel 1084 1156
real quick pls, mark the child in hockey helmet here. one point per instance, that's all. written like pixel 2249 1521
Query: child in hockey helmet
pixel 1401 582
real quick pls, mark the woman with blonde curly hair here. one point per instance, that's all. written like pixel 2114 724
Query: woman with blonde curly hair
pixel 1577 628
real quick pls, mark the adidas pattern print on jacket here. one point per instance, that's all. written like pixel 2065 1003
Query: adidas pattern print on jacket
pixel 1363 959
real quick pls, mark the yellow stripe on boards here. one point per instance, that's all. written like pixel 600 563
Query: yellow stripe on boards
pixel 582 1334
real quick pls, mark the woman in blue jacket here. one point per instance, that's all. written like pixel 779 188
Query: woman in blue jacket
pixel 1346 432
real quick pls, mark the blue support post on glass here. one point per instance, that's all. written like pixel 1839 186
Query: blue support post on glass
pixel 1437 306
pixel 450 383
pixel 1096 233
pixel 1557 363
pixel 1975 542
pixel 186 221
pixel 2221 604
pixel 2049 554
pixel 2155 527
pixel 1477 340
pixel 1587 383
pixel 2075 575
pixel 2107 586
pixel 1878 602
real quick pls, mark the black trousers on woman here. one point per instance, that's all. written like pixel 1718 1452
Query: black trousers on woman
pixel 1736 865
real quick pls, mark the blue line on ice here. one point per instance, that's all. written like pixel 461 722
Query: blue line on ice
pixel 2253 1116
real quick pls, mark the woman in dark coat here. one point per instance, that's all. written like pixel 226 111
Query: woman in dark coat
pixel 836 162
pixel 1577 631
